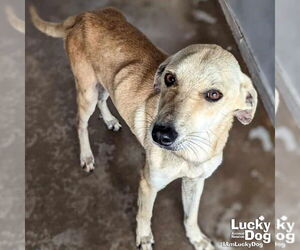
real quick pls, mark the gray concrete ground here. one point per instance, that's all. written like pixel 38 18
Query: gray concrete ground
pixel 287 172
pixel 69 209
pixel 12 131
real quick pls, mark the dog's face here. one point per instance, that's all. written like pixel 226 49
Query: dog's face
pixel 201 89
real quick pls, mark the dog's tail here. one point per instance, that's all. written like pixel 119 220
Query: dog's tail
pixel 51 29
pixel 17 23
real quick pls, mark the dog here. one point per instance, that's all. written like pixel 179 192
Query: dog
pixel 180 107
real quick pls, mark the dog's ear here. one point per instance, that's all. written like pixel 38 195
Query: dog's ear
pixel 159 72
pixel 247 101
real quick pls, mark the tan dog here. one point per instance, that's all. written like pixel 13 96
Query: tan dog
pixel 180 108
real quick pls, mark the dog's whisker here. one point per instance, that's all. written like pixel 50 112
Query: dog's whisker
pixel 190 148
pixel 194 150
pixel 197 137
pixel 208 132
pixel 200 139
pixel 199 145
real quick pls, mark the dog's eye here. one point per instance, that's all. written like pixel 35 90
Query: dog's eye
pixel 170 79
pixel 213 95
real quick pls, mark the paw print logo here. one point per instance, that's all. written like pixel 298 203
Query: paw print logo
pixel 284 218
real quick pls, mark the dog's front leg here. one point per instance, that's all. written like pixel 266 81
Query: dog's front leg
pixel 191 194
pixel 146 198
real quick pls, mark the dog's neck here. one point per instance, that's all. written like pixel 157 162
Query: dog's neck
pixel 144 117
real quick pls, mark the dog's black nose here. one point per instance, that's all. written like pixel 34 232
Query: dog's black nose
pixel 164 134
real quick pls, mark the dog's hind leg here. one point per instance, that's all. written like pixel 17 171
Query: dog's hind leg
pixel 87 94
pixel 191 194
pixel 111 122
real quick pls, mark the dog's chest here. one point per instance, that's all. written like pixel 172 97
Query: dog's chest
pixel 164 170
pixel 202 170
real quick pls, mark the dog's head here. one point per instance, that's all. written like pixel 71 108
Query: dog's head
pixel 201 89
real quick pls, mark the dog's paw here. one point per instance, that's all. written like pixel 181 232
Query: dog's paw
pixel 113 124
pixel 87 163
pixel 197 238
pixel 203 244
pixel 145 246
pixel 145 243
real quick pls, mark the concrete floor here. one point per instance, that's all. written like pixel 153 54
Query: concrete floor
pixel 287 170
pixel 12 131
pixel 69 209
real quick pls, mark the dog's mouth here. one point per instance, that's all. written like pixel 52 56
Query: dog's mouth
pixel 173 147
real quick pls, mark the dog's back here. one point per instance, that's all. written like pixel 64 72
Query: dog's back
pixel 113 45
pixel 122 58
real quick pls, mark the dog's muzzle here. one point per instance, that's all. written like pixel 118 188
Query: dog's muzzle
pixel 164 134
